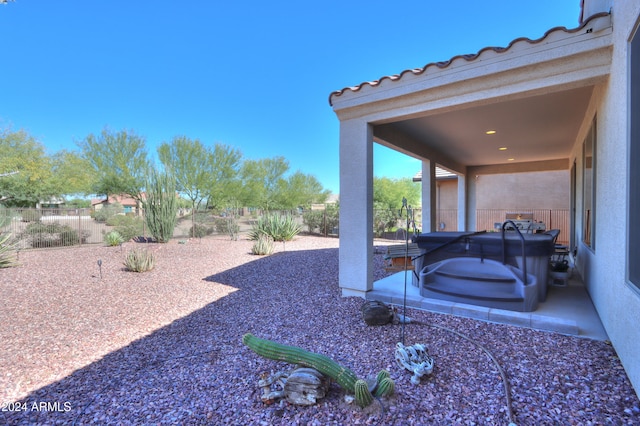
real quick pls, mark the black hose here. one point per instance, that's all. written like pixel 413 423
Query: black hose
pixel 503 375
pixel 505 381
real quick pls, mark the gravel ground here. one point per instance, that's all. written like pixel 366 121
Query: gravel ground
pixel 83 346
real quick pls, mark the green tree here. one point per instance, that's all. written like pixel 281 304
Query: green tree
pixel 161 205
pixel 388 193
pixel 119 162
pixel 262 180
pixel 190 163
pixel 265 185
pixel 387 200
pixel 71 173
pixel 225 185
pixel 300 190
pixel 79 203
pixel 25 168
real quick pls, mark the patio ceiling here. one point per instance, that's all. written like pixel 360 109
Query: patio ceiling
pixel 532 129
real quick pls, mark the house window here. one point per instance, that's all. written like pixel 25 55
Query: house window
pixel 128 209
pixel 634 171
pixel 589 186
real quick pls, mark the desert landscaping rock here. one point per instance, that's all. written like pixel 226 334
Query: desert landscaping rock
pixel 165 346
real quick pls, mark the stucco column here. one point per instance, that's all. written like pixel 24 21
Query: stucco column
pixel 462 203
pixel 429 196
pixel 356 208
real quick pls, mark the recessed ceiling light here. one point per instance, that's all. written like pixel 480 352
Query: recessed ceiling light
pixel 490 132
pixel 502 148
pixel 510 159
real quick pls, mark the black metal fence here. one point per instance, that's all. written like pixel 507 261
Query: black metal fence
pixel 388 224
pixel 46 228
pixel 486 220
pixel 43 228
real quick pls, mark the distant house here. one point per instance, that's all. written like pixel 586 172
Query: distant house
pixel 568 102
pixel 51 203
pixel 129 204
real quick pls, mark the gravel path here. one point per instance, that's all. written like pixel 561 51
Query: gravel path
pixel 164 347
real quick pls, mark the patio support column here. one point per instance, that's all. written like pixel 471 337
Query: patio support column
pixel 462 203
pixel 356 208
pixel 429 206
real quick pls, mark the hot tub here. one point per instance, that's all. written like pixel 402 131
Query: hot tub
pixel 537 248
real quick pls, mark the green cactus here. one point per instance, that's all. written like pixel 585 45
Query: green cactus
pixel 294 355
pixel 385 387
pixel 363 395
pixel 381 375
pixel 325 365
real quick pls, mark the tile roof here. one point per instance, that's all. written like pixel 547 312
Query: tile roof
pixel 468 57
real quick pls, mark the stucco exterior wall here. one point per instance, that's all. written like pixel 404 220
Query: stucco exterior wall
pixel 539 190
pixel 604 267
pixel 447 194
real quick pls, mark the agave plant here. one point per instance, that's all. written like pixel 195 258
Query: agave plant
pixel 263 245
pixel 138 260
pixel 278 227
pixel 113 238
pixel 7 251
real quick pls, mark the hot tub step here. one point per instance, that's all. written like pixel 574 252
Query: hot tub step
pixel 477 276
pixel 480 294
pixel 479 282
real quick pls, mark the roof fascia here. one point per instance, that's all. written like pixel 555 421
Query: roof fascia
pixel 562 73
pixel 575 56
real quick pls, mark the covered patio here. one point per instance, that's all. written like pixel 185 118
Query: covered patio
pixel 507 110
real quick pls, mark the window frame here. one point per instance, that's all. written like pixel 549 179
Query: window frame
pixel 589 170
pixel 633 184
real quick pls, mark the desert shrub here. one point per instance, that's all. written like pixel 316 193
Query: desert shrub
pixel 106 212
pixel 199 230
pixel 69 236
pixel 84 235
pixel 115 220
pixel 7 251
pixel 113 238
pixel 139 260
pixel 201 216
pixel 6 216
pixel 332 219
pixel 42 228
pixel 31 215
pixel 222 225
pixel 278 227
pixel 324 221
pixel 313 220
pixel 128 227
pixel 383 219
pixel 228 225
pixel 53 234
pixel 263 245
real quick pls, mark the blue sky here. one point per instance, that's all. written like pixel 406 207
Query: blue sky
pixel 254 75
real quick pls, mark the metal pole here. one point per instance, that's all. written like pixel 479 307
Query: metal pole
pixel 406 265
